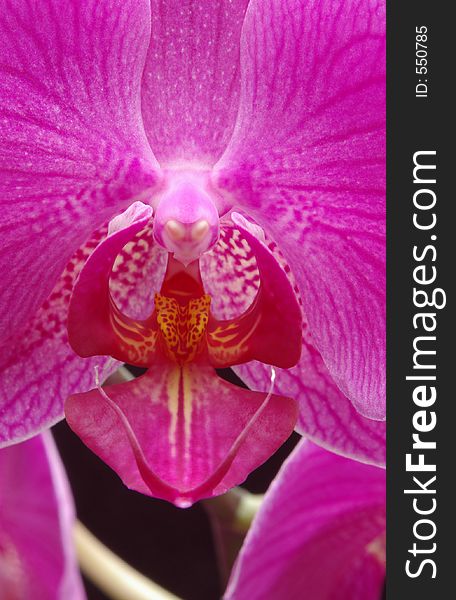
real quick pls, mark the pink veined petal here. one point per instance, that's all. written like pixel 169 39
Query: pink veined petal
pixel 181 433
pixel 326 415
pixel 38 368
pixel 190 89
pixel 36 524
pixel 307 161
pixel 320 519
pixel 73 151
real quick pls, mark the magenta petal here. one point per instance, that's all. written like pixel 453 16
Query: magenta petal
pixel 190 88
pixel 36 524
pixel 72 146
pixel 181 433
pixel 326 415
pixel 366 580
pixel 39 369
pixel 307 161
pixel 322 519
pixel 137 274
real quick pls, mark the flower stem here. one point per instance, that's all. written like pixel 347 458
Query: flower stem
pixel 111 574
pixel 231 515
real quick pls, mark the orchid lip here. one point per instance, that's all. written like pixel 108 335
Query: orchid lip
pixel 163 433
pixel 184 498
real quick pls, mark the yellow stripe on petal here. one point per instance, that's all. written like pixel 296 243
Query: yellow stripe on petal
pixel 172 389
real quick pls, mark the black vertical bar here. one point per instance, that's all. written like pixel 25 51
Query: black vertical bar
pixel 417 124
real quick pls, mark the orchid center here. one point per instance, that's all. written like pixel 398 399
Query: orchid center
pixel 179 431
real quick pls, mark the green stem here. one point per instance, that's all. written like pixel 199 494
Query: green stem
pixel 113 576
pixel 231 516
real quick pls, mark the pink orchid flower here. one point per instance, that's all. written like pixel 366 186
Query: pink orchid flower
pixel 36 525
pixel 222 164
pixel 319 534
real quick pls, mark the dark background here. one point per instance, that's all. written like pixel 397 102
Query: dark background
pixel 172 546
pixel 415 124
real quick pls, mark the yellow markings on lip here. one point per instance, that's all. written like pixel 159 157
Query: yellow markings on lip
pixel 117 320
pixel 172 390
pixel 228 342
pixel 182 327
pixel 188 408
pixel 136 340
pixel 179 390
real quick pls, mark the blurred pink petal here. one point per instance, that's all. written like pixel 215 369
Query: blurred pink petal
pixel 319 533
pixel 73 151
pixel 307 161
pixel 36 524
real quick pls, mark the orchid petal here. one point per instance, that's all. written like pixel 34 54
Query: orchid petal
pixel 190 87
pixel 306 161
pixel 137 273
pixel 36 524
pixel 31 398
pixel 181 433
pixel 321 518
pixel 270 330
pixel 366 580
pixel 73 151
pixel 326 415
